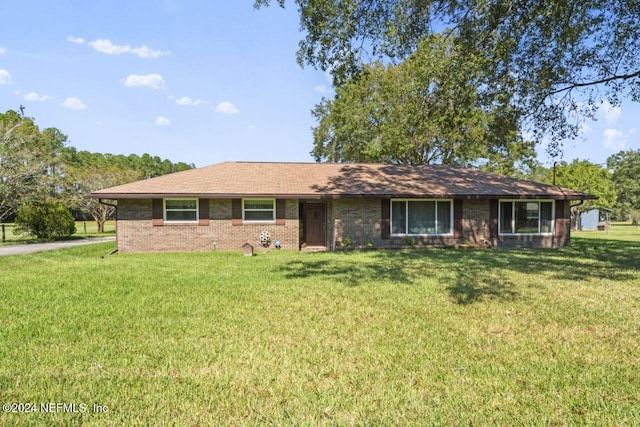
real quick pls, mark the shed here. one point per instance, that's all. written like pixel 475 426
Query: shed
pixel 589 220
pixel 595 219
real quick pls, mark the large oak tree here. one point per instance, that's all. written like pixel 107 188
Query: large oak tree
pixel 425 110
pixel 556 60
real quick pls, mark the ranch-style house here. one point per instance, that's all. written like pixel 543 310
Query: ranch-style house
pixel 327 206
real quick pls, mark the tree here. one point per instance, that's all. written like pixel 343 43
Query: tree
pixel 87 180
pixel 425 110
pixel 29 161
pixel 45 220
pixel 557 61
pixel 582 175
pixel 86 172
pixel 626 177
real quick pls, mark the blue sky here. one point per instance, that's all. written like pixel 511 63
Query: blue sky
pixel 195 81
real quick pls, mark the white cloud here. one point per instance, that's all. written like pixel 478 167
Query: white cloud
pixel 32 96
pixel 585 128
pixel 5 77
pixel 611 113
pixel 74 103
pixel 163 121
pixel 105 46
pixel 153 81
pixel 226 108
pixel 76 40
pixel 3 50
pixel 323 89
pixel 146 52
pixel 632 131
pixel 185 100
pixel 614 139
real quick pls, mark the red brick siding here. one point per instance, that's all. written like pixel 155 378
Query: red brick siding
pixel 359 219
pixel 475 222
pixel 136 233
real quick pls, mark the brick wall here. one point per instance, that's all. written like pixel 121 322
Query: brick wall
pixel 475 222
pixel 135 232
pixel 358 219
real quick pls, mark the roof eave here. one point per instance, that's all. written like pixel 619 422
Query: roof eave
pixel 341 196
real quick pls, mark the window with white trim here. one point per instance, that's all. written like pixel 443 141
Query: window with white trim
pixel 259 209
pixel 181 210
pixel 419 217
pixel 526 217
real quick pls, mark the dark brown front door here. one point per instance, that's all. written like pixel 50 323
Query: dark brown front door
pixel 315 224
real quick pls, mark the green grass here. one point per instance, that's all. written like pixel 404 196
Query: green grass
pixel 84 229
pixel 423 337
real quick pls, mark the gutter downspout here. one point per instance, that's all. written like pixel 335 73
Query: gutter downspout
pixel 116 219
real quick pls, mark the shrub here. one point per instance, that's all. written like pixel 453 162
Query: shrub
pixel 408 241
pixel 345 243
pixel 45 220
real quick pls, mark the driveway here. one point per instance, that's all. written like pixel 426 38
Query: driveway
pixel 37 247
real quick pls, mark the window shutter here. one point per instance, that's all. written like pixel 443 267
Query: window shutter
pixel 203 211
pixel 157 212
pixel 493 219
pixel 385 221
pixel 236 211
pixel 457 219
pixel 281 211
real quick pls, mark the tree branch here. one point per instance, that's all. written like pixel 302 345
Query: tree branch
pixel 596 82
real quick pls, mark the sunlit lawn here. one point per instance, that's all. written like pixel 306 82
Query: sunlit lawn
pixel 84 229
pixel 423 337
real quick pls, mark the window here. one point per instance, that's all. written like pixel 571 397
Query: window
pixel 526 217
pixel 421 217
pixel 181 210
pixel 259 209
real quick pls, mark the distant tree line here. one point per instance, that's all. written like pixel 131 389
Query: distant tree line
pixel 40 173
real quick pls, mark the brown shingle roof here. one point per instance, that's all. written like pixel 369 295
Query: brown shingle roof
pixel 329 180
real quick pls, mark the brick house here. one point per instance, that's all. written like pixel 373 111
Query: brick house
pixel 316 206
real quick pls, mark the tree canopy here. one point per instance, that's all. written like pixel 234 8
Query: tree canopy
pixel 557 61
pixel 626 178
pixel 29 161
pixel 591 178
pixel 36 166
pixel 426 109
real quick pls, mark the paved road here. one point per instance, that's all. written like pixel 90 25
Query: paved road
pixel 37 247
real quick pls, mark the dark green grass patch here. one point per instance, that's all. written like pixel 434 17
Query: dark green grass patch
pixel 425 337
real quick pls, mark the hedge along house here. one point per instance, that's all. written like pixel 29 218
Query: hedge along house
pixel 322 205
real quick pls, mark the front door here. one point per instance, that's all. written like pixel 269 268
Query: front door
pixel 315 224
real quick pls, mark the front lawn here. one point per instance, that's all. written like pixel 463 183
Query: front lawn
pixel 84 229
pixel 424 337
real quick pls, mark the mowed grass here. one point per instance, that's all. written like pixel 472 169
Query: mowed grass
pixel 422 337
pixel 84 229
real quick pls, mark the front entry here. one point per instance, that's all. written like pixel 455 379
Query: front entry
pixel 315 224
